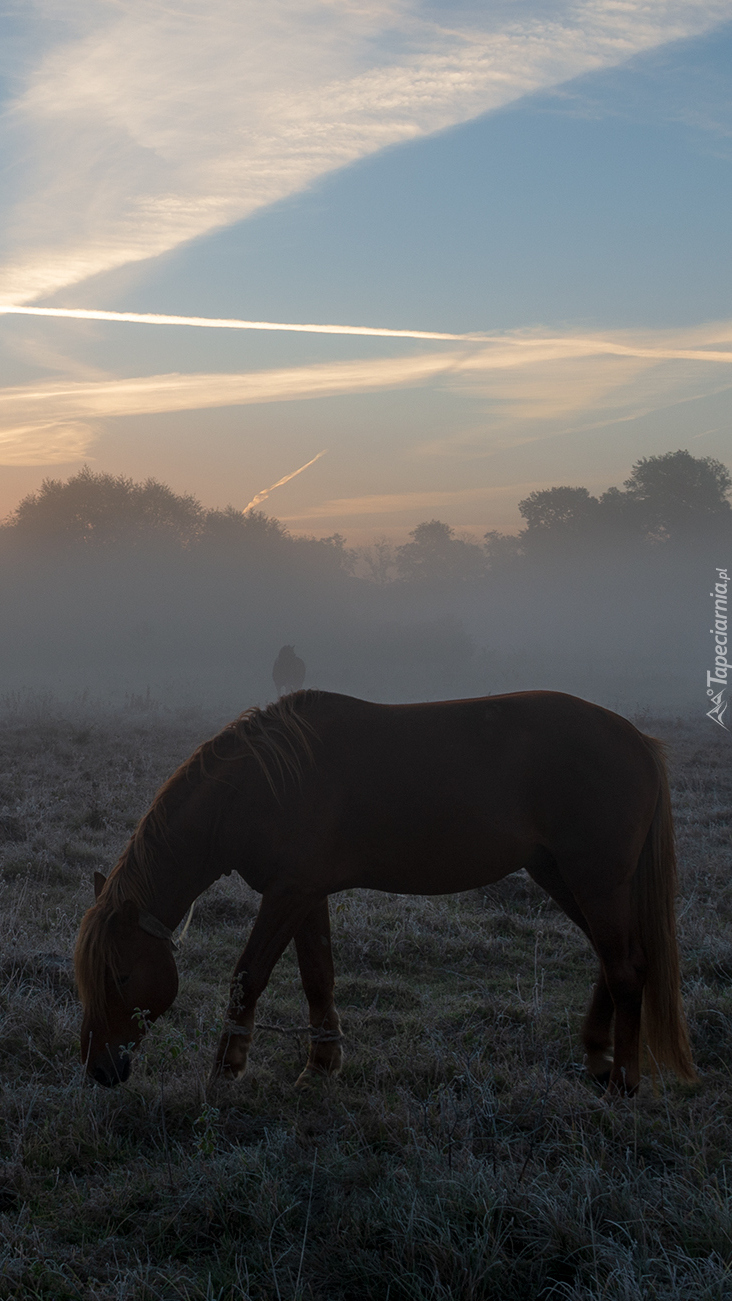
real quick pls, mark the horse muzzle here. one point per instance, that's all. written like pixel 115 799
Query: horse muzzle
pixel 114 1070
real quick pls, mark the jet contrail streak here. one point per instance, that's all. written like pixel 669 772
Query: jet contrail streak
pixel 264 494
pixel 213 323
pixel 587 345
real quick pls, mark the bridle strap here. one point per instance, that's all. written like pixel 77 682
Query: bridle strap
pixel 153 927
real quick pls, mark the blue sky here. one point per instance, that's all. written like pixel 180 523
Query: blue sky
pixel 558 178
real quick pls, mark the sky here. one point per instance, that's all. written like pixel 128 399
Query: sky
pixel 547 185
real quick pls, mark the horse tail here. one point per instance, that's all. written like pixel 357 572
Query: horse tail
pixel 663 1024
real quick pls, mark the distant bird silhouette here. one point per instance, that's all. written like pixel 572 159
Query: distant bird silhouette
pixel 288 673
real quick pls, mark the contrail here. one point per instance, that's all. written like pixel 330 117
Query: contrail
pixel 214 323
pixel 264 494
pixel 589 345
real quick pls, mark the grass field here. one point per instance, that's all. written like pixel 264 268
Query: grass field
pixel 461 1154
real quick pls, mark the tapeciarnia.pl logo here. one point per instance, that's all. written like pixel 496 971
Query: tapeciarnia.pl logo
pixel 718 677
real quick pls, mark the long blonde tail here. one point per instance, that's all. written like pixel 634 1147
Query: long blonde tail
pixel 664 1022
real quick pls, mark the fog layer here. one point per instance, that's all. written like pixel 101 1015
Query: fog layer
pixel 131 592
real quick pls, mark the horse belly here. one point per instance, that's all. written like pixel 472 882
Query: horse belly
pixel 444 864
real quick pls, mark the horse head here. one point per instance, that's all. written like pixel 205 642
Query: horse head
pixel 127 978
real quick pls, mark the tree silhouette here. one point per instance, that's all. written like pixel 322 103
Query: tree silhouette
pixel 558 519
pixel 678 494
pixel 106 512
pixel 553 509
pixel 378 559
pixel 674 496
pixel 436 555
pixel 502 549
pixel 230 530
pixel 106 509
pixel 323 556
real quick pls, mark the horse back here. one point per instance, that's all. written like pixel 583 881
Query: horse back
pixel 496 778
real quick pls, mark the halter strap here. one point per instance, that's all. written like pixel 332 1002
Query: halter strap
pixel 148 923
pixel 154 927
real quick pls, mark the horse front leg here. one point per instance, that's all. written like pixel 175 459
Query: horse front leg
pixel 315 959
pixel 280 914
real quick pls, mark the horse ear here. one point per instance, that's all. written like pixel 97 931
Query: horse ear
pixel 99 884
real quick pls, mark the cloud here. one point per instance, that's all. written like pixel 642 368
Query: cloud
pixel 400 503
pixel 31 412
pixel 55 443
pixel 523 380
pixel 150 124
pixel 531 390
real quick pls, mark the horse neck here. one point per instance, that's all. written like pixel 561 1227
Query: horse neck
pixel 174 887
pixel 184 865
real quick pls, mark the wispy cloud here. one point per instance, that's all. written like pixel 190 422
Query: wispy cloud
pixel 151 124
pixel 55 407
pixel 398 504
pixel 546 388
pixel 55 443
pixel 523 379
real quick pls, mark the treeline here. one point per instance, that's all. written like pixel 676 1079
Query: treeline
pixel 669 501
pixel 104 513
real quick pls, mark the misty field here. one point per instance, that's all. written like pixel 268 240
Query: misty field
pixel 461 1154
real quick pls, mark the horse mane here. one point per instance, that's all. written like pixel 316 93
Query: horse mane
pixel 278 739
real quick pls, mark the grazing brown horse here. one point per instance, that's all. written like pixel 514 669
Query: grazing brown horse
pixel 288 673
pixel 320 793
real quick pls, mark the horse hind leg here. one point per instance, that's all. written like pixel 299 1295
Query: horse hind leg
pixel 315 959
pixel 597 1026
pixel 625 973
pixel 606 918
pixel 597 1032
pixel 624 970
